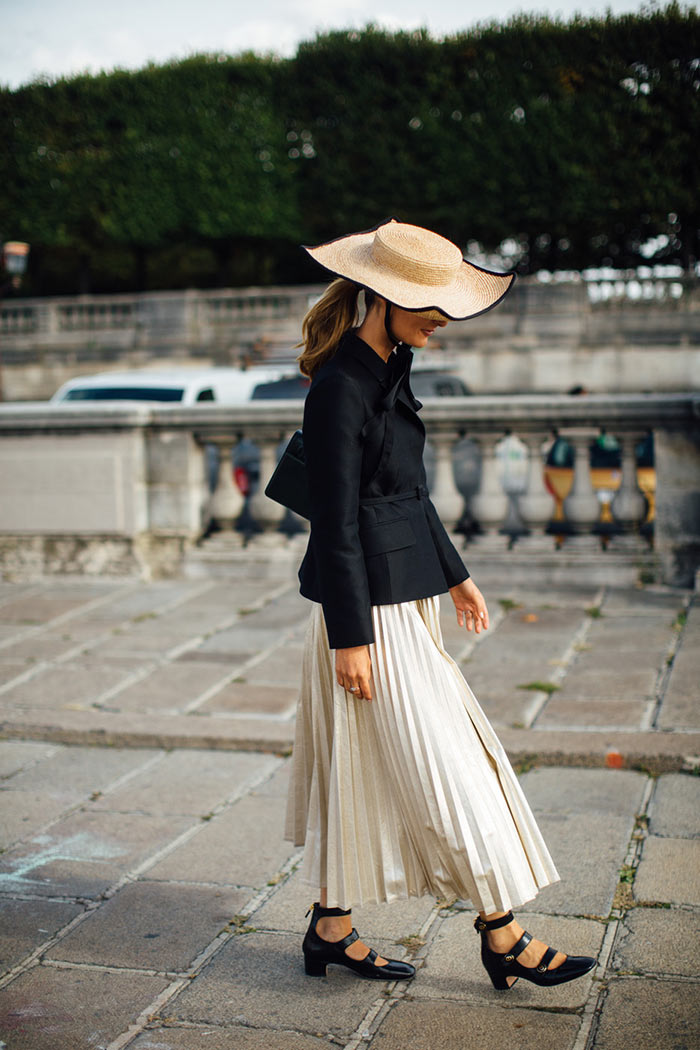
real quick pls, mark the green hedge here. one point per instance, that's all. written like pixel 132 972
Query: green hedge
pixel 577 142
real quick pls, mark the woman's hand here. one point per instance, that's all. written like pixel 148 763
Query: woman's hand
pixel 470 606
pixel 353 670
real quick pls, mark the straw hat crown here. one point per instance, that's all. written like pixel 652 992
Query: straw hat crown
pixel 414 268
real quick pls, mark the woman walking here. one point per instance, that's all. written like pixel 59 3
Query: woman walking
pixel 399 785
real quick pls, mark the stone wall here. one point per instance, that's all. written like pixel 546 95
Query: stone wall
pixel 542 338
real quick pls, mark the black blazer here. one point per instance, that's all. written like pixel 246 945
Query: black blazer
pixel 376 538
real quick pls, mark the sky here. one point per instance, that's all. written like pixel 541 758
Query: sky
pixel 61 37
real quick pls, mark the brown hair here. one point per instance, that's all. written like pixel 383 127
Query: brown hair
pixel 326 323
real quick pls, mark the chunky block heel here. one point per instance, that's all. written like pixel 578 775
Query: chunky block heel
pixel 502 965
pixel 318 953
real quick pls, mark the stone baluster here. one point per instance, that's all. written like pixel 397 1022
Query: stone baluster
pixel 536 503
pixel 628 504
pixel 226 502
pixel 264 510
pixel 490 503
pixel 581 505
pixel 445 494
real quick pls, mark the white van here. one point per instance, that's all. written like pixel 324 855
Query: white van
pixel 186 386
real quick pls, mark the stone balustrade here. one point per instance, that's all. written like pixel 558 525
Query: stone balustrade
pixel 119 487
pixel 626 333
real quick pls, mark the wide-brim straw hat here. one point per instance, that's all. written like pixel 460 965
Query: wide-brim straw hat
pixel 415 269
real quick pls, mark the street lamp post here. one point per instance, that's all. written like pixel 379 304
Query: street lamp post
pixel 13 260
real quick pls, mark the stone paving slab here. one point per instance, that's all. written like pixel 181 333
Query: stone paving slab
pixel 534 622
pixel 24 813
pixel 11 669
pixel 278 668
pixel 586 817
pixel 210 1037
pixel 658 940
pixel 187 782
pixel 56 687
pixel 646 1013
pixel 675 809
pixel 288 612
pixel 141 643
pixel 463 1026
pixel 277 785
pixel 45 647
pixel 643 601
pixel 71 776
pixel 258 979
pixel 622 634
pixel 594 685
pixel 563 714
pixel 47 1008
pixel 18 754
pixel 85 853
pixel 503 707
pixel 682 702
pixel 515 663
pixel 244 846
pixel 37 610
pixel 24 925
pixel 454 970
pixel 253 699
pixel 658 873
pixel 33 797
pixel 169 688
pixel 622 662
pixel 151 926
pixel 238 642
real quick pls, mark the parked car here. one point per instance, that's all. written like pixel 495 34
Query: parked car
pixel 424 383
pixel 187 386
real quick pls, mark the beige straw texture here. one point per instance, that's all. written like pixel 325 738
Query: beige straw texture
pixel 412 793
pixel 415 269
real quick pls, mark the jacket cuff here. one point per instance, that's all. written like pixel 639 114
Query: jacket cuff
pixel 346 636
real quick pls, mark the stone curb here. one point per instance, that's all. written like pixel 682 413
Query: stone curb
pixel 653 752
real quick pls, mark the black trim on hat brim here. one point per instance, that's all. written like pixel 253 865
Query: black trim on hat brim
pixel 413 309
pixel 421 309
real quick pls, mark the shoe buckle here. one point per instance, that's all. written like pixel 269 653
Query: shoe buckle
pixel 541 969
pixel 480 925
pixel 509 958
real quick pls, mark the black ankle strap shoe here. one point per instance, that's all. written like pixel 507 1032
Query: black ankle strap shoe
pixel 318 953
pixel 502 965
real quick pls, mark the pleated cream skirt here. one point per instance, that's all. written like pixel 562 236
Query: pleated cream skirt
pixel 411 793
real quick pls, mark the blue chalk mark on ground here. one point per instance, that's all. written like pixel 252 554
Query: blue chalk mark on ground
pixel 81 848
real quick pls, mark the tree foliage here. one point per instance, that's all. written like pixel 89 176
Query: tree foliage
pixel 576 142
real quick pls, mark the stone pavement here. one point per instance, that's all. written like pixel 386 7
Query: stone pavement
pixel 149 901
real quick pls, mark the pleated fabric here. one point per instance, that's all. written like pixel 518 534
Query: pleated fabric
pixel 412 793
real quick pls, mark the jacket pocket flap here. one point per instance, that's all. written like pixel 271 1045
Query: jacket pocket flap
pixel 387 536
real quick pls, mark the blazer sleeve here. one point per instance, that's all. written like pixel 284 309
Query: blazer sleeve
pixel 333 419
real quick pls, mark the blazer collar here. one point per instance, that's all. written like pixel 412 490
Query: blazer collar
pixel 384 371
pixel 380 369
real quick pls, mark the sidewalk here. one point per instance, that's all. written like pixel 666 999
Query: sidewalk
pixel 149 900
